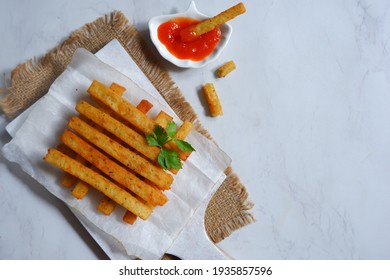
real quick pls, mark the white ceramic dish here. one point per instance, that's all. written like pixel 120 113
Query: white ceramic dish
pixel 191 12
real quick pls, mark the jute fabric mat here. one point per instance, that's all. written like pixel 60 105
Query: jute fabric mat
pixel 229 209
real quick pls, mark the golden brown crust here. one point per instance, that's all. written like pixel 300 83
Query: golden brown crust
pixel 128 158
pixel 113 170
pixel 212 99
pixel 121 106
pixel 99 182
pixel 119 129
pixel 191 33
pixel 226 69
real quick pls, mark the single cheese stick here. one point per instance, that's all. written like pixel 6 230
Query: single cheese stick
pixel 194 31
pixel 212 100
pixel 80 190
pixel 106 206
pixel 129 217
pixel 144 106
pixel 117 88
pixel 226 69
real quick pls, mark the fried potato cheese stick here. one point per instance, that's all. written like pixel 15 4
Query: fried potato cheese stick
pixel 124 108
pixel 81 188
pixel 226 69
pixel 97 181
pixel 194 31
pixel 121 106
pixel 113 170
pixel 128 158
pixel 212 99
pixel 120 130
pixel 106 204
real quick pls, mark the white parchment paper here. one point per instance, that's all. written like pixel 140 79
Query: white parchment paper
pixel 42 126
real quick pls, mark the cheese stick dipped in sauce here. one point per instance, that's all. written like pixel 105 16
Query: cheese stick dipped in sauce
pixel 169 35
pixel 193 32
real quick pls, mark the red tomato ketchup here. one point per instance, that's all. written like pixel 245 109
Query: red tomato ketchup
pixel 169 34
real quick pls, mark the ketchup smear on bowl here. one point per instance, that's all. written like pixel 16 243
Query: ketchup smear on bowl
pixel 169 34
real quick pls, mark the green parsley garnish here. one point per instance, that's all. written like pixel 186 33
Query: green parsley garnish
pixel 168 158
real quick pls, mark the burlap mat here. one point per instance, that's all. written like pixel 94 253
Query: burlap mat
pixel 229 208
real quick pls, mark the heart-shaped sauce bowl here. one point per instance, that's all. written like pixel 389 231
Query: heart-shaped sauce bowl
pixel 191 12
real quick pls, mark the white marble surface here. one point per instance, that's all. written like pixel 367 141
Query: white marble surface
pixel 306 123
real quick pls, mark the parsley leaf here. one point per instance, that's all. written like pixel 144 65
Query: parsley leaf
pixel 171 129
pixel 183 145
pixel 151 140
pixel 167 158
pixel 160 135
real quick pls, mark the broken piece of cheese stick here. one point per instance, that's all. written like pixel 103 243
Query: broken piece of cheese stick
pixel 144 106
pixel 80 190
pixel 226 69
pixel 192 32
pixel 107 206
pixel 113 170
pixel 97 181
pixel 128 158
pixel 129 217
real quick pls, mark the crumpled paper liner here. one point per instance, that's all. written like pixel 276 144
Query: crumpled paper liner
pixel 148 239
